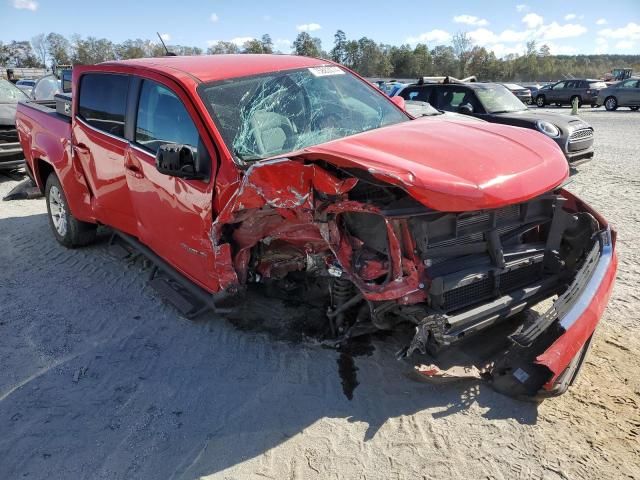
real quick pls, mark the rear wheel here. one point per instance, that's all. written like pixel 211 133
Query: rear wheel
pixel 540 101
pixel 611 103
pixel 68 230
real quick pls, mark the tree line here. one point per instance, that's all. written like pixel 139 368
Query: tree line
pixel 366 56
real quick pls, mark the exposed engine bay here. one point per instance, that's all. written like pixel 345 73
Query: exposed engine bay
pixel 378 260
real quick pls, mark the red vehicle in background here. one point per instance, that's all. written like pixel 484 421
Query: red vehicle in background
pixel 295 173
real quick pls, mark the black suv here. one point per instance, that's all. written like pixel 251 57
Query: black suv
pixel 563 92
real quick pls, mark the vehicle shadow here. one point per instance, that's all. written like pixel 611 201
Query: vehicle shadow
pixel 100 379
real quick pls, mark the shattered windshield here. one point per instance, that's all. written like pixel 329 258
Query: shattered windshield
pixel 266 115
pixel 498 99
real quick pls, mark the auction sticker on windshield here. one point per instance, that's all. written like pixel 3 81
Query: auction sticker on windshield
pixel 326 71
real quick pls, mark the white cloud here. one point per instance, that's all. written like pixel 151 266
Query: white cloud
pixel 240 41
pixel 532 20
pixel 434 36
pixel 483 36
pixel 522 8
pixel 624 45
pixel 554 30
pixel 500 49
pixel 570 16
pixel 556 49
pixel 602 46
pixel 25 5
pixel 630 32
pixel 471 20
pixel 282 44
pixel 214 17
pixel 165 36
pixel 308 27
pixel 601 21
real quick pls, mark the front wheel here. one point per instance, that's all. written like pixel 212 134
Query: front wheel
pixel 611 104
pixel 68 230
pixel 540 101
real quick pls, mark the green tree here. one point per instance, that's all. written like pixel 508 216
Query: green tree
pixel 339 51
pixel 267 43
pixel 252 46
pixel 222 48
pixel 307 46
pixel 59 49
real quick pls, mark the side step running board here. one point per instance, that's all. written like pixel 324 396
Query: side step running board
pixel 184 295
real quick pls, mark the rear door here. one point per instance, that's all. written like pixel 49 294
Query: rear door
pixel 627 93
pixel 556 92
pixel 99 145
pixel 174 214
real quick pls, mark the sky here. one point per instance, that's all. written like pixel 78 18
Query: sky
pixel 568 27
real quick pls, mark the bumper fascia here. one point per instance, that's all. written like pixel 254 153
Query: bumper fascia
pixel 581 319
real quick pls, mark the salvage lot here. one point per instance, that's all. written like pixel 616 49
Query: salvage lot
pixel 101 380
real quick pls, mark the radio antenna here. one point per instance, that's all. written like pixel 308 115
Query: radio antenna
pixel 168 54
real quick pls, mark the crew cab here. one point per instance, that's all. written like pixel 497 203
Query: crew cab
pixel 296 174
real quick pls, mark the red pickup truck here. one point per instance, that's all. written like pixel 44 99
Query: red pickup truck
pixel 295 173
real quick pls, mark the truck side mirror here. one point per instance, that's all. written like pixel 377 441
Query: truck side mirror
pixel 178 160
pixel 465 109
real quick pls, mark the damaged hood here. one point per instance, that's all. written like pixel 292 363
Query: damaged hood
pixel 453 166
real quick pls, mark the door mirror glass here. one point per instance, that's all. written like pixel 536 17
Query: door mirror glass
pixel 177 160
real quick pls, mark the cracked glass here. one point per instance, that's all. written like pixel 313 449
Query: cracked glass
pixel 274 114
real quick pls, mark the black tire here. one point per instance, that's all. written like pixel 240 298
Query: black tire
pixel 579 100
pixel 68 230
pixel 541 101
pixel 611 104
pixel 635 109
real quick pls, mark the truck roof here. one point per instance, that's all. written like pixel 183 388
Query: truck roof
pixel 209 68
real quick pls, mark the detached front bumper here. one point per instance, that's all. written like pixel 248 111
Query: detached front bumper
pixel 580 321
pixel 548 366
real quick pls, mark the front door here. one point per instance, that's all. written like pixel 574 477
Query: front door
pixel 99 145
pixel 556 92
pixel 174 215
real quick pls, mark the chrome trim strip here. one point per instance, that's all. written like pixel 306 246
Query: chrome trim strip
pixel 102 132
pixel 141 150
pixel 589 291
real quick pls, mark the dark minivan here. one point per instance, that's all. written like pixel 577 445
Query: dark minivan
pixel 563 92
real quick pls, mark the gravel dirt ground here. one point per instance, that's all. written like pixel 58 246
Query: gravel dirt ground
pixel 99 379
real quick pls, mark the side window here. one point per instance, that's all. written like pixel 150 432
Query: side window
pixel 417 93
pixel 162 119
pixel 629 84
pixel 449 99
pixel 103 101
pixel 559 86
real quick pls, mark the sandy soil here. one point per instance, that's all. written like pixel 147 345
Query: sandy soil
pixel 100 379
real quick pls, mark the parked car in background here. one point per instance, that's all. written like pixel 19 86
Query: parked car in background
pixel 392 88
pixel 622 94
pixel 523 93
pixel 291 175
pixel 10 151
pixel 563 92
pixel 26 85
pixel 495 103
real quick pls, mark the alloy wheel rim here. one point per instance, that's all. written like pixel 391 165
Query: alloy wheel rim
pixel 611 103
pixel 58 211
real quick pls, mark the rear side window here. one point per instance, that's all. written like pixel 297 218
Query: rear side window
pixel 103 101
pixel 598 85
pixel 420 94
pixel 162 119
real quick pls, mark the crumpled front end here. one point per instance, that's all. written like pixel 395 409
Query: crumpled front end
pixel 541 269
